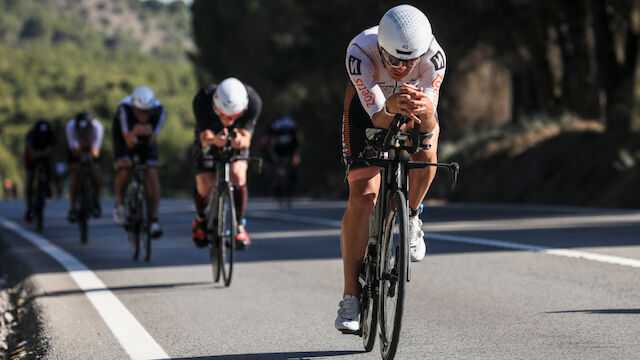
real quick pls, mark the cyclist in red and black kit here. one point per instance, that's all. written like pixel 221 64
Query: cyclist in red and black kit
pixel 39 142
pixel 228 110
pixel 140 117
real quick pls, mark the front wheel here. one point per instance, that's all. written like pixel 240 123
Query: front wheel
pixel 369 301
pixel 227 232
pixel 133 225
pixel 393 273
pixel 145 224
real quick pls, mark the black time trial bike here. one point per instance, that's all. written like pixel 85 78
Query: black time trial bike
pixel 137 204
pixel 86 209
pixel 222 220
pixel 39 200
pixel 386 266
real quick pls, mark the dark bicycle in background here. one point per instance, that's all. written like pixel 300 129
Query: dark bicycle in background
pixel 39 198
pixel 386 266
pixel 137 204
pixel 85 200
pixel 222 221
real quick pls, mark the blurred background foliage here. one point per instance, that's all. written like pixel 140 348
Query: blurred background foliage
pixel 540 102
pixel 60 57
pixel 520 69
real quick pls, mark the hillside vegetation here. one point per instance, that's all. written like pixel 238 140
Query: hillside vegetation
pixel 62 56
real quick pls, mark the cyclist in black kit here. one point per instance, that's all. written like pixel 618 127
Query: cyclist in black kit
pixel 39 142
pixel 139 116
pixel 228 110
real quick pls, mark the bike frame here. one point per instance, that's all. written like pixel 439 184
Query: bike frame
pixel 394 160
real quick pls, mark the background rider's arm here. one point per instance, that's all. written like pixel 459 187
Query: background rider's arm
pixel 161 120
pixel 98 135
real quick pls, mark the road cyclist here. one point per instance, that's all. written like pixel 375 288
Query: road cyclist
pixel 394 68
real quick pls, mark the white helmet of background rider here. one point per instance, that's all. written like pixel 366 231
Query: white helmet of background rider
pixel 143 98
pixel 230 98
pixel 405 32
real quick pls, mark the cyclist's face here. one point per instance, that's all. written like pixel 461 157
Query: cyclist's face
pixel 141 115
pixel 226 120
pixel 397 68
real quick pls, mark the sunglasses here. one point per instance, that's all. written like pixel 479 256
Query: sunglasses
pixel 223 115
pixel 396 63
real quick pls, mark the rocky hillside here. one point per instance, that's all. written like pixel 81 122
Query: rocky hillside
pixel 151 26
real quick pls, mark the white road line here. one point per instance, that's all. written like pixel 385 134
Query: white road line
pixel 133 337
pixel 617 260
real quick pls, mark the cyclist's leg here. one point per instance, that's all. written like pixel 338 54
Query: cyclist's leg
pixel 29 192
pixel 74 175
pixel 122 179
pixel 153 190
pixel 96 186
pixel 239 180
pixel 420 179
pixel 153 184
pixel 419 182
pixel 363 192
pixel 205 181
pixel 364 182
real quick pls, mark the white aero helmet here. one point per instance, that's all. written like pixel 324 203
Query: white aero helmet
pixel 405 32
pixel 143 98
pixel 230 97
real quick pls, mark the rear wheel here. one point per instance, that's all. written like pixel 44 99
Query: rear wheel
pixel 369 301
pixel 85 208
pixel 133 225
pixel 227 231
pixel 145 224
pixel 394 257
pixel 38 207
pixel 214 242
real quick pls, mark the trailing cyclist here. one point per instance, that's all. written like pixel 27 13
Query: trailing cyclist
pixel 280 148
pixel 225 111
pixel 84 133
pixel 394 68
pixel 39 142
pixel 139 116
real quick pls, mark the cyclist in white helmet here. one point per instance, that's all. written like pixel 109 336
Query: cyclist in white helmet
pixel 394 68
pixel 139 119
pixel 226 110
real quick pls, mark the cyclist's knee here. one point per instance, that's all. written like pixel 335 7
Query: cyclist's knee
pixel 362 203
pixel 239 175
pixel 124 163
pixel 426 155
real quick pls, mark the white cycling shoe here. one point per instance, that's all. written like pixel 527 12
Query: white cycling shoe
pixel 348 314
pixel 417 247
pixel 118 215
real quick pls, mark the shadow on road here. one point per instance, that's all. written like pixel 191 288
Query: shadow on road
pixel 294 355
pixel 128 288
pixel 598 311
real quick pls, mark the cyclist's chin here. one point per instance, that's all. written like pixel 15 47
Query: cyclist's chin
pixel 398 75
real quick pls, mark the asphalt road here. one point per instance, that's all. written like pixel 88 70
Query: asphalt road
pixel 499 282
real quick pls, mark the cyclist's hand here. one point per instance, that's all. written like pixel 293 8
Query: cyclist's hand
pixel 206 138
pixel 296 160
pixel 76 151
pixel 130 139
pixel 95 152
pixel 220 139
pixel 242 139
pixel 142 130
